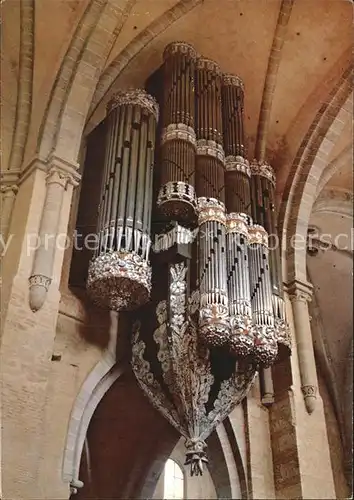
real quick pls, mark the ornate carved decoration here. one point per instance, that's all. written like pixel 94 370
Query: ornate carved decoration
pixel 63 177
pixel 238 223
pixel 118 280
pixel 177 191
pixel 178 235
pixel 300 295
pixel 210 209
pixel 310 395
pixel 237 163
pixel 187 372
pixel 208 64
pixel 264 169
pixel 181 48
pixel 40 280
pixel 135 97
pixel 9 190
pixel 178 131
pixel 258 235
pixel 230 79
pixel 210 148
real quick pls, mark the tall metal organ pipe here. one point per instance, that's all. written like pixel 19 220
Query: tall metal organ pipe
pixel 210 190
pixel 238 204
pixel 237 175
pixel 119 275
pixel 265 345
pixel 242 331
pixel 176 197
pixel 264 212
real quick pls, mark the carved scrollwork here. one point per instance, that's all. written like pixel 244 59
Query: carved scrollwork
pixel 258 235
pixel 186 371
pixel 137 97
pixel 237 163
pixel 210 148
pixel 234 80
pixel 263 169
pixel 204 63
pixel 180 191
pixel 179 48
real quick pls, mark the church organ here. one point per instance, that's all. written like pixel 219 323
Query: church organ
pixel 213 287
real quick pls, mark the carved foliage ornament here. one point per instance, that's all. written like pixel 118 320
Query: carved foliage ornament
pixel 183 392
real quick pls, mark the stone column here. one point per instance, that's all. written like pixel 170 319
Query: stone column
pixel 27 345
pixel 260 469
pixel 300 294
pixel 8 194
pixel 267 389
pixel 60 174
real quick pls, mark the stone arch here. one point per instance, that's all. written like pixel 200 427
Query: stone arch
pixel 122 435
pixel 83 63
pixel 332 168
pixel 25 86
pixel 236 452
pixel 306 171
pixel 335 201
pixel 81 71
pixel 101 378
pixel 155 28
pixel 217 467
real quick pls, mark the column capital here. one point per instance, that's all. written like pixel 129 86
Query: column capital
pixel 299 291
pixel 62 172
pixel 309 393
pixel 8 181
pixel 9 189
pixel 64 169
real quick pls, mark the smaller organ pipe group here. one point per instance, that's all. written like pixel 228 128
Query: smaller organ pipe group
pixel 119 275
pixel 205 182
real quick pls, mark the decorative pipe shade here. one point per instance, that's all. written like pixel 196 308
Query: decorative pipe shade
pixel 120 275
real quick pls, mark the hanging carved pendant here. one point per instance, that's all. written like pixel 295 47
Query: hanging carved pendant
pixel 180 375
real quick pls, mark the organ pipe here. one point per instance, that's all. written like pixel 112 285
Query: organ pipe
pixel 215 211
pixel 119 275
pixel 237 239
pixel 264 212
pixel 265 345
pixel 237 194
pixel 176 197
pixel 237 175
pixel 210 190
pixel 213 313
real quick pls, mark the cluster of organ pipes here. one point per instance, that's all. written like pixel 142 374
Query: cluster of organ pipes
pixel 222 207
